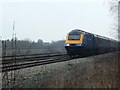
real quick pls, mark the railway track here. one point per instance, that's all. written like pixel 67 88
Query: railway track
pixel 21 62
pixel 23 58
pixel 10 63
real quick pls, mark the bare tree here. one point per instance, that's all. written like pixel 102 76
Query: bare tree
pixel 114 12
pixel 119 20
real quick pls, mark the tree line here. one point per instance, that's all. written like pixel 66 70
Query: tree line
pixel 24 46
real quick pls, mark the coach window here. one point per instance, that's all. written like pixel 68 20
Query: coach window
pixel 89 37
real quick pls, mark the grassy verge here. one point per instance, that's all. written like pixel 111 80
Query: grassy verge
pixel 98 72
pixel 92 72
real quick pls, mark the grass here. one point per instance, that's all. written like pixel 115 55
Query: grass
pixel 92 72
pixel 100 72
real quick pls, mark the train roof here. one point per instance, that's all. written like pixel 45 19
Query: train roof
pixel 78 31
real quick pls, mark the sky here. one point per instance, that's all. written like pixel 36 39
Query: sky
pixel 51 20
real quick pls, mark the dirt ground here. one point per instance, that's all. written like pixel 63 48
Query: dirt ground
pixel 92 72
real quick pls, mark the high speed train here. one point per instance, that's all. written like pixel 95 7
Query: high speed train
pixel 79 42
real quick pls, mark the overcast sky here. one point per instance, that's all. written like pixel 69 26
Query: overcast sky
pixel 52 20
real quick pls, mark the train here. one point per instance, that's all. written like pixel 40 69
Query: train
pixel 79 42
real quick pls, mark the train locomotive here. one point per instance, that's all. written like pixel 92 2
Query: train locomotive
pixel 79 42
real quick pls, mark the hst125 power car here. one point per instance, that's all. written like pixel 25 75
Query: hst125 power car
pixel 79 42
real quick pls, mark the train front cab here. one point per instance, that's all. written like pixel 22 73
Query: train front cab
pixel 74 44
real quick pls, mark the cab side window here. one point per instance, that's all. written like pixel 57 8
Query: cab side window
pixel 85 39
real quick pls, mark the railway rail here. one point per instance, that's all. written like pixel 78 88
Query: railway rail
pixel 23 58
pixel 21 62
pixel 10 63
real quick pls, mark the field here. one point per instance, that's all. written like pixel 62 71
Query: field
pixel 94 72
pixel 98 72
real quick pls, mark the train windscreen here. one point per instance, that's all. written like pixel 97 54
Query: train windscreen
pixel 73 37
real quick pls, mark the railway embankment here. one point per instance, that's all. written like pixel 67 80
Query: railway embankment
pixel 92 72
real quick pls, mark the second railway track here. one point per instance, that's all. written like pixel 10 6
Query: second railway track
pixel 30 61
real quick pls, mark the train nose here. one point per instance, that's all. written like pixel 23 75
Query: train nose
pixel 73 49
pixel 73 45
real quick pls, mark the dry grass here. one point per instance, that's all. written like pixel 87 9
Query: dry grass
pixel 101 72
pixel 92 72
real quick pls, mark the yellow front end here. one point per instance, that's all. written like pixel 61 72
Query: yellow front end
pixel 74 41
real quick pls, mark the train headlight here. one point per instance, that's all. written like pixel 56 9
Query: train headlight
pixel 78 44
pixel 67 44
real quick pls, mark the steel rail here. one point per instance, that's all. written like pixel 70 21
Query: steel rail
pixel 31 54
pixel 24 59
pixel 36 62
